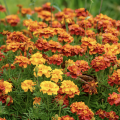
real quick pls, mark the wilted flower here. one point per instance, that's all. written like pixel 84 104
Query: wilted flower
pixel 49 87
pixel 69 88
pixel 36 100
pixel 28 84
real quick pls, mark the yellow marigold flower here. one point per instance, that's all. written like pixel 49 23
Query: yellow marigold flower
pixel 49 87
pixel 36 100
pixel 8 87
pixel 69 88
pixel 42 69
pixel 28 84
pixel 37 59
pixel 69 63
pixel 56 75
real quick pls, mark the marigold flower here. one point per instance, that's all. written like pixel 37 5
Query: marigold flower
pixel 2 87
pixel 2 119
pixel 42 44
pixel 56 24
pixel 91 34
pixel 76 30
pixel 82 110
pixel 28 84
pixel 1 56
pixel 25 11
pixel 112 115
pixel 36 100
pixel 49 87
pixel 54 46
pixel 56 75
pixel 109 38
pixel 13 20
pixel 100 63
pixel 90 87
pixel 67 117
pixel 69 88
pixel 8 87
pixel 23 61
pixel 42 70
pixel 101 113
pixel 69 63
pixel 114 98
pixel 38 9
pixel 2 8
pixel 47 6
pixel 56 59
pixel 82 65
pixel 37 59
pixel 115 78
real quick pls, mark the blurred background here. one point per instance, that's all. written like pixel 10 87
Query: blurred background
pixel 109 7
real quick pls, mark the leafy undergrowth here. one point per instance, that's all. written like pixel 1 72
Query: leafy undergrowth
pixel 58 65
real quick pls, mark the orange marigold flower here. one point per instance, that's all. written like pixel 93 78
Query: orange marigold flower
pixel 37 100
pixel 42 70
pixel 59 16
pixel 2 87
pixel 46 32
pixel 67 50
pixel 84 24
pixel 69 88
pixel 114 98
pixel 46 15
pixel 13 20
pixel 49 87
pixel 111 30
pixel 28 84
pixel 91 34
pixel 87 41
pixel 67 117
pixel 101 113
pixel 37 58
pixel 118 25
pixel 112 115
pixel 17 37
pixel 2 119
pixel 74 71
pixel 114 78
pixel 54 46
pixel 76 30
pixel 82 65
pixel 82 110
pixel 47 6
pixel 96 49
pixel 100 63
pixel 56 24
pixel 38 9
pixel 82 12
pixel 42 44
pixel 56 75
pixel 109 38
pixel 90 87
pixel 22 61
pixel 56 59
pixel 2 8
pixel 25 11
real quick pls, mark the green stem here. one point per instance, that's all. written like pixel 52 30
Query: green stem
pixel 60 111
pixel 89 99
pixel 6 7
pixel 48 106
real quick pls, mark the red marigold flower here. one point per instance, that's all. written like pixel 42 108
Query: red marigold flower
pixel 82 65
pixel 100 63
pixel 82 110
pixel 54 46
pixel 76 30
pixel 90 87
pixel 118 25
pixel 2 8
pixel 42 44
pixel 112 115
pixel 2 119
pixel 115 78
pixel 101 113
pixel 56 59
pixel 2 88
pixel 114 98
pixel 23 61
pixel 109 38
pixel 59 16
pixel 13 20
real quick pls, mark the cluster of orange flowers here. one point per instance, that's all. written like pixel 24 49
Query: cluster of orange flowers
pixel 114 98
pixel 110 115
pixel 82 110
pixel 66 117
